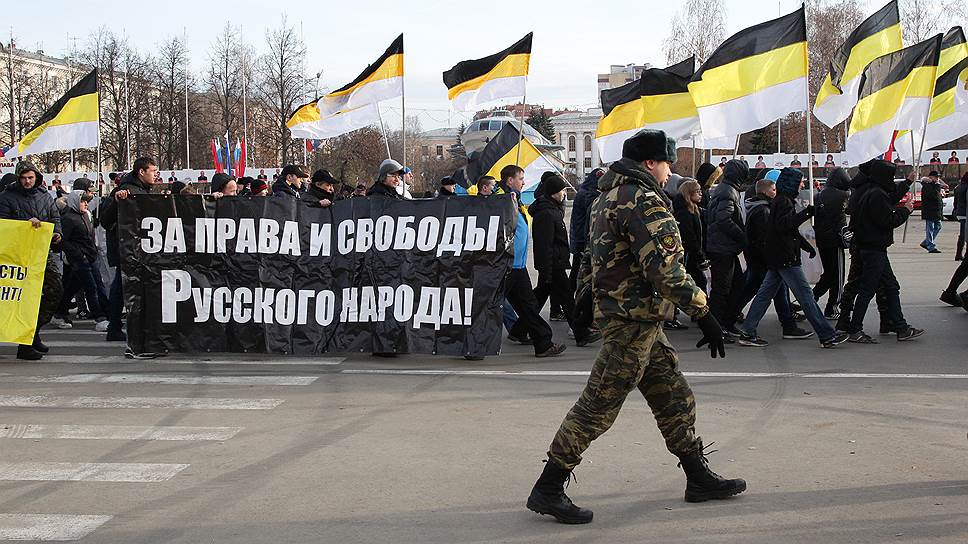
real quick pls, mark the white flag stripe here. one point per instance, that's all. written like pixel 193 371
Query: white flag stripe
pixel 49 527
pixel 871 142
pixel 89 472
pixel 175 403
pixel 116 432
pixel 60 137
pixel 368 94
pixel 491 90
pixel 681 130
pixel 339 123
pixel 167 379
pixel 753 111
pixel 837 107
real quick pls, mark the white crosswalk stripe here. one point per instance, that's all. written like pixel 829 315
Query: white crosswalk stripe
pixel 89 472
pixel 228 360
pixel 116 432
pixel 167 379
pixel 43 401
pixel 49 527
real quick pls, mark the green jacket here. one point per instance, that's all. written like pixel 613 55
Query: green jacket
pixel 636 252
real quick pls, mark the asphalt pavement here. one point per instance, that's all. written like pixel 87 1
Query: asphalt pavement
pixel 859 444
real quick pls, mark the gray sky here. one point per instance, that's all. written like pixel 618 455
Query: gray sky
pixel 571 44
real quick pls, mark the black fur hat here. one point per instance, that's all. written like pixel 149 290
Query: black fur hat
pixel 649 145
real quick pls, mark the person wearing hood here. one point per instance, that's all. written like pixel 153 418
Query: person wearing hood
pixel 950 295
pixel 783 247
pixel 448 187
pixel 637 275
pixel 223 185
pixel 707 175
pixel 828 224
pixel 290 182
pixel 757 260
pixel 725 240
pixel 81 253
pixel 932 204
pixel 873 218
pixel 6 180
pixel 322 190
pixel 552 256
pixel 136 182
pixel 530 327
pixel 388 180
pixel 23 200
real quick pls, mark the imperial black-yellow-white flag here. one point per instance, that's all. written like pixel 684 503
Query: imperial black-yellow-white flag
pixel 380 81
pixel 755 77
pixel 948 118
pixel 878 35
pixel 473 82
pixel 71 123
pixel 502 151
pixel 658 100
pixel 895 94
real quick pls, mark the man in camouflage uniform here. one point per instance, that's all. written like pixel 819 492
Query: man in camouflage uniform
pixel 638 277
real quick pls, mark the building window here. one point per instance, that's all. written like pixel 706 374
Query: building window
pixel 588 163
pixel 588 144
pixel 425 150
pixel 440 151
pixel 571 143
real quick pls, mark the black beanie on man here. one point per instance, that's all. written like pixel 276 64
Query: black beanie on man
pixel 553 184
pixel 649 145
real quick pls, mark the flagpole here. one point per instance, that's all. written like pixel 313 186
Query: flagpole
pixel 127 110
pixel 383 129
pixel 187 156
pixel 524 102
pixel 403 103
pixel 694 156
pixel 245 121
pixel 736 148
pixel 806 97
pixel 97 168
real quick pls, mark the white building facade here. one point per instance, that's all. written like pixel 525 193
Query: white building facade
pixel 576 133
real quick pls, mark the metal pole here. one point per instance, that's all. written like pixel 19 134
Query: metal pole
pixel 245 76
pixel 524 100
pixel 127 111
pixel 736 148
pixel 403 129
pixel 806 96
pixel 187 155
pixel 694 157
pixel 383 129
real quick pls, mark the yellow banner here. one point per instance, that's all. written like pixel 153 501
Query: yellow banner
pixel 23 260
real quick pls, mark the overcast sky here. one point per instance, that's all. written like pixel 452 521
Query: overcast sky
pixel 572 43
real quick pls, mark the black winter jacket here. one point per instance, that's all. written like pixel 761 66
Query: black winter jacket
pixel 380 188
pixel 78 245
pixel 876 216
pixel 281 188
pixel 961 193
pixel 931 203
pixel 726 231
pixel 757 226
pixel 690 230
pixel 314 194
pixel 24 204
pixel 587 193
pixel 551 251
pixel 783 238
pixel 831 213
pixel 109 214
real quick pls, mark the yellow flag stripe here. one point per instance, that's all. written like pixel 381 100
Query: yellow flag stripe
pixel 306 114
pixel 511 66
pixel 749 75
pixel 951 56
pixel 648 110
pixel 392 67
pixel 884 104
pixel 884 42
pixel 529 153
pixel 80 109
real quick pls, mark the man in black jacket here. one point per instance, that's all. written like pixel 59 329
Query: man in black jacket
pixel 783 245
pixel 321 192
pixel 136 182
pixel 587 193
pixel 873 221
pixel 725 240
pixel 388 180
pixel 25 200
pixel 932 195
pixel 829 223
pixel 290 181
pixel 80 252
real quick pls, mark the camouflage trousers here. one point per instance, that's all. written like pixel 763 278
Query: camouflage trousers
pixel 634 355
pixel 51 292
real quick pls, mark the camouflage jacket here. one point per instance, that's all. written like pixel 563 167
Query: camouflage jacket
pixel 636 252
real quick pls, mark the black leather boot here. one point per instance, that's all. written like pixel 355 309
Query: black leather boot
pixel 38 345
pixel 548 496
pixel 702 484
pixel 27 352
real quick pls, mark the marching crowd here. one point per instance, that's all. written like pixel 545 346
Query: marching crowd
pixel 726 212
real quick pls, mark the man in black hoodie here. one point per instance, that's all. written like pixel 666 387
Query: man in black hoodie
pixel 136 182
pixel 873 221
pixel 25 200
pixel 725 240
pixel 829 223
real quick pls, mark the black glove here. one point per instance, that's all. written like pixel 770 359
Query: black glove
pixel 810 209
pixel 712 334
pixel 811 252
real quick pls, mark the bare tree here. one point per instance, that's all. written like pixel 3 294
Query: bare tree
pixel 698 29
pixel 223 79
pixel 113 57
pixel 170 80
pixel 281 87
pixel 921 19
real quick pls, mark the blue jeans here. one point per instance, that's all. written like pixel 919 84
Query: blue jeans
pixel 794 279
pixel 931 230
pixel 510 317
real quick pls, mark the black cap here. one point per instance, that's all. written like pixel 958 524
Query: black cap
pixel 323 176
pixel 553 183
pixel 293 169
pixel 934 174
pixel 649 145
pixel 82 184
pixel 447 180
pixel 258 185
pixel 219 181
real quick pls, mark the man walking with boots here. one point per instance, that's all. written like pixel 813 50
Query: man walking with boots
pixel 637 270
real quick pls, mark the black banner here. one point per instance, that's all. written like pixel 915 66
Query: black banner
pixel 252 274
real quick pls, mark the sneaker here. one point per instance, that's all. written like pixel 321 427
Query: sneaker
pixel 593 336
pixel 838 338
pixel 924 245
pixel 795 306
pixel 950 298
pixel 61 323
pixel 752 340
pixel 732 333
pixel 910 334
pixel 861 337
pixel 799 316
pixel 558 317
pixel 796 333
pixel 102 326
pixel 886 329
pixel 474 357
pixel 674 325
pixel 554 351
pixel 934 250
pixel 523 341
pixel 130 354
pixel 832 315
